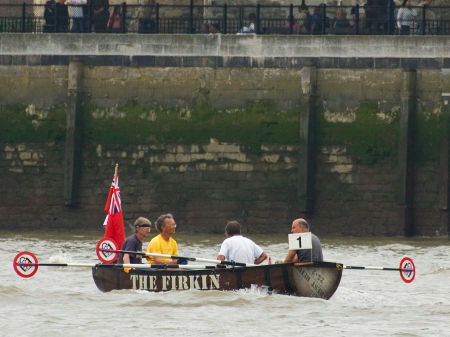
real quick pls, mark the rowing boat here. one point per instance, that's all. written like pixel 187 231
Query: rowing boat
pixel 319 279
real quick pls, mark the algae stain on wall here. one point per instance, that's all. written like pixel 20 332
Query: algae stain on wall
pixel 431 129
pixel 20 123
pixel 370 135
pixel 134 123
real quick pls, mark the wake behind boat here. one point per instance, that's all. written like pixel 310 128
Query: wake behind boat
pixel 307 280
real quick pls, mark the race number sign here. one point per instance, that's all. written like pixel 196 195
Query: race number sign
pixel 25 264
pixel 300 241
pixel 107 250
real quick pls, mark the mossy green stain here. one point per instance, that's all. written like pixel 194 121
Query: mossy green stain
pixel 368 138
pixel 430 132
pixel 253 125
pixel 18 126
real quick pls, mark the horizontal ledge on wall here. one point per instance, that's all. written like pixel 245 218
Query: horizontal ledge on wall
pixel 227 62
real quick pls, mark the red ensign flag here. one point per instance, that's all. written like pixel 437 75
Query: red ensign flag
pixel 114 218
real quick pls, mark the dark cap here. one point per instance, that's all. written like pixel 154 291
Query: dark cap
pixel 142 222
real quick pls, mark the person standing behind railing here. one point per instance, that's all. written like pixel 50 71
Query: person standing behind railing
pixel 56 17
pixel 49 16
pixel 62 17
pixel 291 26
pixel 250 27
pixel 405 17
pixel 390 17
pixel 318 20
pixel 100 15
pixel 115 21
pixel 77 14
pixel 304 20
pixel 340 23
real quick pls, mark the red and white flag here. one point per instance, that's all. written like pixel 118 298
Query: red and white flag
pixel 114 219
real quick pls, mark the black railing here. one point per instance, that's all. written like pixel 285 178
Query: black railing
pixel 225 19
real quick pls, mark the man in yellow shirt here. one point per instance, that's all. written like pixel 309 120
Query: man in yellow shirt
pixel 163 243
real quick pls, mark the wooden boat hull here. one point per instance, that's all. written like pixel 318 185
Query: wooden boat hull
pixel 314 280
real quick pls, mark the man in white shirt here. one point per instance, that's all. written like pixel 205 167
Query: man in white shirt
pixel 76 11
pixel 238 248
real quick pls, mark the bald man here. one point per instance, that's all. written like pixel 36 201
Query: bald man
pixel 301 226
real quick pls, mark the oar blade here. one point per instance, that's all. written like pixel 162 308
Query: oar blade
pixel 25 264
pixel 107 250
pixel 407 270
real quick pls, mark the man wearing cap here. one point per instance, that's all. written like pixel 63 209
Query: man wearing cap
pixel 134 243
pixel 301 226
pixel 163 243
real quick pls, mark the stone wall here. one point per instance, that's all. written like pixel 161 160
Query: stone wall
pixel 203 185
pixel 177 126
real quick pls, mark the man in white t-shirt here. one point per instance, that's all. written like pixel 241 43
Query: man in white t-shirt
pixel 238 248
pixel 77 14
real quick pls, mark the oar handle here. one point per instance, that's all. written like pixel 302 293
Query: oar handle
pixel 153 266
pixel 377 268
pixel 198 259
pixel 55 264
pixel 117 265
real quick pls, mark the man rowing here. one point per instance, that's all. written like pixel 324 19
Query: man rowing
pixel 301 226
pixel 134 243
pixel 163 243
pixel 238 248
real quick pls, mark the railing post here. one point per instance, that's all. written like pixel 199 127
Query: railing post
pixel 357 20
pixel 191 17
pixel 55 19
pixel 388 17
pixel 225 19
pixel 23 17
pixel 291 19
pixel 157 18
pixel 124 17
pixel 324 17
pixel 241 16
pixel 258 10
pixel 423 19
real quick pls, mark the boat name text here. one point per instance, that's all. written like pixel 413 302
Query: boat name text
pixel 175 282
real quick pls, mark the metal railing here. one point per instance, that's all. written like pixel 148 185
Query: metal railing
pixel 225 19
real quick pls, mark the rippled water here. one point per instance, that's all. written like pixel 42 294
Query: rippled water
pixel 63 301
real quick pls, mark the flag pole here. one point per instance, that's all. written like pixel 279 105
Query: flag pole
pixel 114 228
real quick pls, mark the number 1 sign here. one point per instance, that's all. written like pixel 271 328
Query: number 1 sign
pixel 300 241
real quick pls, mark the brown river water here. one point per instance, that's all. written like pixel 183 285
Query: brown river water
pixel 64 301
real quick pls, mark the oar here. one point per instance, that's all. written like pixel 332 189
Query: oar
pixel 26 265
pixel 198 259
pixel 376 268
pixel 115 265
pixel 407 269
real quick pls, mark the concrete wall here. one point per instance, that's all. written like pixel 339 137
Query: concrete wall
pixel 204 184
pixel 258 47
